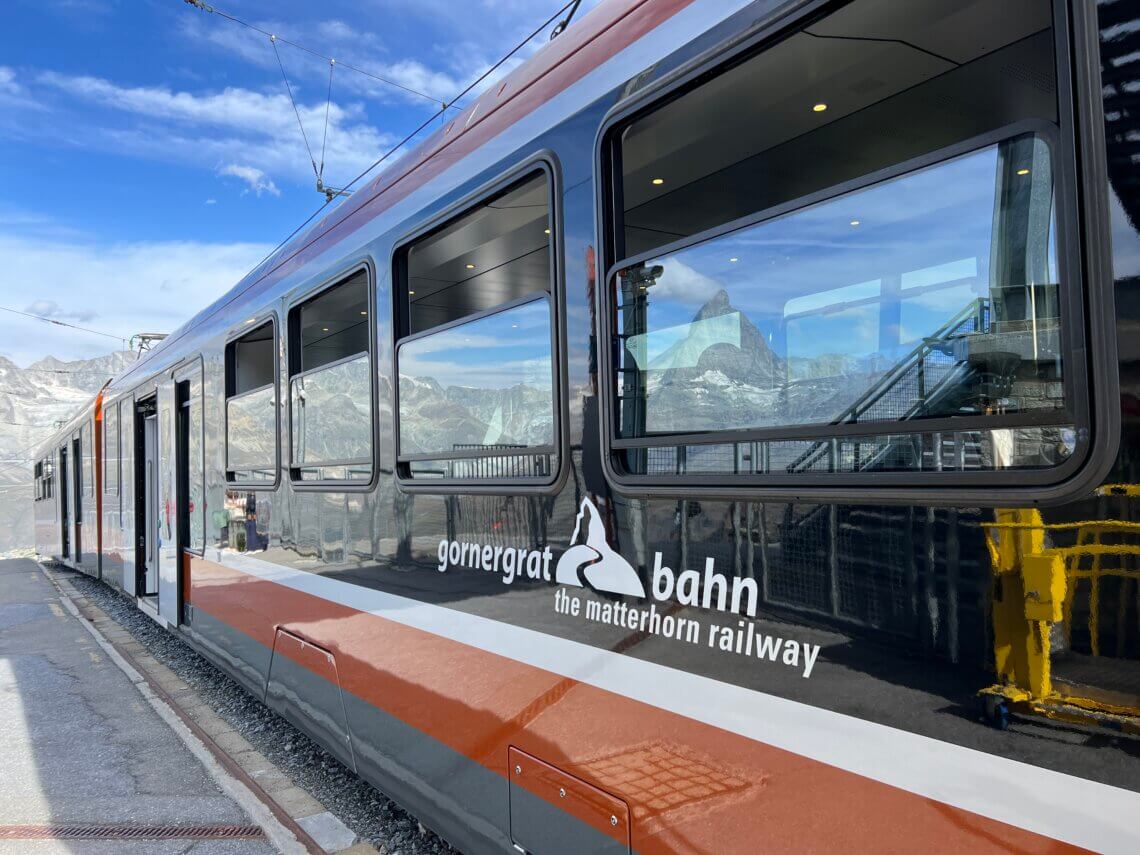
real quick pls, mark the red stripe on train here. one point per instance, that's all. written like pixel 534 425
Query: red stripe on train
pixel 690 786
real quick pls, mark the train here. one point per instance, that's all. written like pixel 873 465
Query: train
pixel 721 435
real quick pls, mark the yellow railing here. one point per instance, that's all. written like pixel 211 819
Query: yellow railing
pixel 1034 589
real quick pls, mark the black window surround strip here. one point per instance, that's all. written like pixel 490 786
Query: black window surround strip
pixel 543 161
pixel 292 309
pixel 1084 261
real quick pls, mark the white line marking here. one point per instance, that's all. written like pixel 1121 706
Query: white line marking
pixel 1054 804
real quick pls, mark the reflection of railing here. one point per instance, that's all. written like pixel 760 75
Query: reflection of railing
pixel 916 381
pixel 1036 586
pixel 501 461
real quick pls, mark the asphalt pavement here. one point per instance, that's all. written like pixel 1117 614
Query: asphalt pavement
pixel 87 764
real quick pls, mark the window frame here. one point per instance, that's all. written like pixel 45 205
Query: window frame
pixel 292 310
pixel 255 322
pixel 546 162
pixel 1087 323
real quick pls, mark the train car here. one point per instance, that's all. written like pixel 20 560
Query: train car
pixel 720 436
pixel 67 494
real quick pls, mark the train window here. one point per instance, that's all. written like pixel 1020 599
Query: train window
pixel 841 255
pixel 330 384
pixel 251 407
pixel 111 450
pixel 476 399
pixel 87 452
pixel 38 483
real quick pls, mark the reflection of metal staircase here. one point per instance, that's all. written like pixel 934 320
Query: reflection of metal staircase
pixel 915 385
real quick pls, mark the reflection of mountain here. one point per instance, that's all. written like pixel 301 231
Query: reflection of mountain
pixel 434 418
pixel 32 399
pixel 740 381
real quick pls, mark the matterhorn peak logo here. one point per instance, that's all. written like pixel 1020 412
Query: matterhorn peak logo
pixel 591 560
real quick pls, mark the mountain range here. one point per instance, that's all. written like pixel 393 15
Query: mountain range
pixel 32 401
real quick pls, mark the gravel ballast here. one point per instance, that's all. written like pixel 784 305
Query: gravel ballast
pixel 369 813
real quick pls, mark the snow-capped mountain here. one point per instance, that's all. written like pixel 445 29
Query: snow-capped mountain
pixel 32 400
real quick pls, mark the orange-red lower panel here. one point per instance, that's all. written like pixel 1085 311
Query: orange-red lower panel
pixel 690 786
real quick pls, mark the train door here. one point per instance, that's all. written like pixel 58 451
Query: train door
pixel 189 478
pixel 146 516
pixel 64 506
pixel 167 497
pixel 77 496
pixel 128 488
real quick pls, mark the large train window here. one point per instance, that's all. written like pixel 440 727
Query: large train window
pixel 251 407
pixel 330 384
pixel 111 450
pixel 40 493
pixel 845 254
pixel 476 393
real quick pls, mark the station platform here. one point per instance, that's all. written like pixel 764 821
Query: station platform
pixel 87 763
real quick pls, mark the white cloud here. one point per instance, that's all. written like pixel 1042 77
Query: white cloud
pixel 211 201
pixel 134 287
pixel 218 129
pixel 257 180
pixel 8 82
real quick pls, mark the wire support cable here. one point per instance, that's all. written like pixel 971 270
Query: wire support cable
pixel 213 10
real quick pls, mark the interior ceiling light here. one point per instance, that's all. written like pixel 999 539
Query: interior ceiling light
pixel 365 314
pixel 658 181
pixel 1023 172
pixel 855 222
pixel 411 293
pixel 251 320
pixel 819 108
pixel 734 259
pixel 470 266
pixel 547 231
pixel 324 329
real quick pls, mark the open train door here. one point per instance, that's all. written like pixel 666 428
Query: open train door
pixel 64 506
pixel 145 586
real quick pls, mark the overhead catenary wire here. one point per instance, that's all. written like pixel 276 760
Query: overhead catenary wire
pixel 60 323
pixel 199 4
pixel 398 146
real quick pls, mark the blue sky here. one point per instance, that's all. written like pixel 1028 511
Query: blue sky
pixel 149 155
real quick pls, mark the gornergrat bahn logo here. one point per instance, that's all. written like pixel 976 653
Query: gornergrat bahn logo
pixel 591 560
pixel 591 563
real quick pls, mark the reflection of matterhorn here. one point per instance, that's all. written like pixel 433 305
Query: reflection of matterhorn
pixel 590 559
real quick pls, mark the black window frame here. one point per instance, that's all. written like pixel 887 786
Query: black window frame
pixel 1083 259
pixel 293 352
pixel 253 324
pixel 546 163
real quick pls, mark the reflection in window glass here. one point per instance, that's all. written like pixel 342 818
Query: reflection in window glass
pixel 332 420
pixel 88 480
pixel 485 386
pixel 251 435
pixel 933 294
pixel 111 450
pixel 196 488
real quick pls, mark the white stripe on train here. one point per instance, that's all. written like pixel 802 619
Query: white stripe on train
pixel 1064 807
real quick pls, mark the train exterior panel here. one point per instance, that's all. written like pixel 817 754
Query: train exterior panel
pixel 800 510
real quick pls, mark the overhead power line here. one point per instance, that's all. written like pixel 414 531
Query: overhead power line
pixel 417 131
pixel 212 10
pixel 59 323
